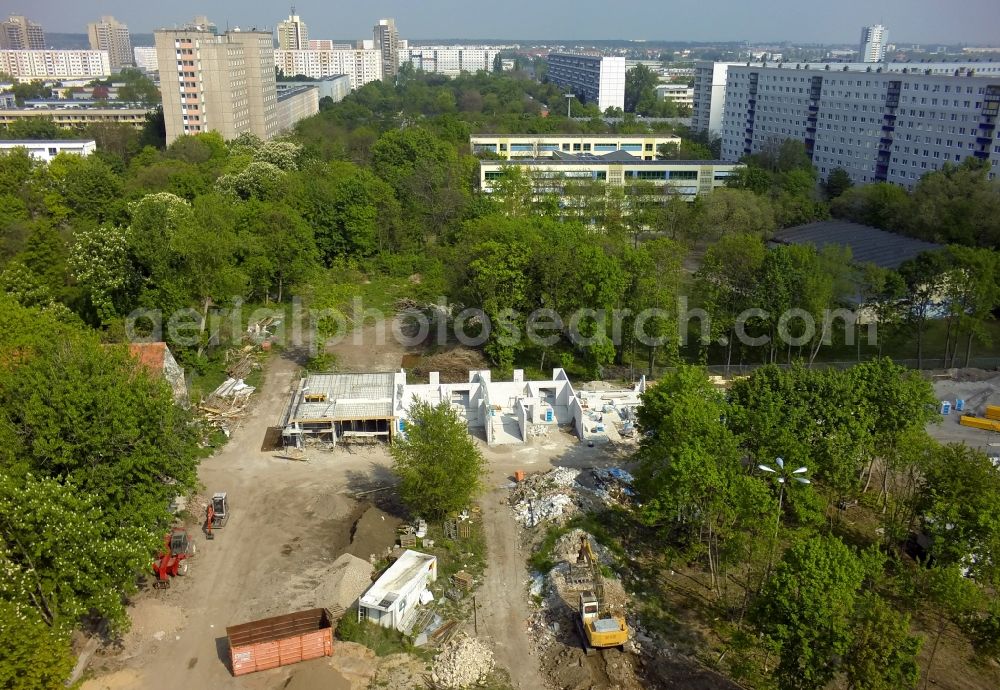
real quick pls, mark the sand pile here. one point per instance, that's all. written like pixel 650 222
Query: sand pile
pixel 373 533
pixel 344 582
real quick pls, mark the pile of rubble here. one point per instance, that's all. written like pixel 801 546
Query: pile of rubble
pixel 542 497
pixel 462 662
pixel 228 403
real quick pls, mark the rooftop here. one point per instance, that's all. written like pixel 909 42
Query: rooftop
pixel 43 142
pixel 867 244
pixel 345 396
pixel 385 590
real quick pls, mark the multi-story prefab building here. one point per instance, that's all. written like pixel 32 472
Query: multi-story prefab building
pixel 55 64
pixel 112 36
pixel 873 40
pixel 592 78
pixel 360 65
pixel 879 126
pixel 223 84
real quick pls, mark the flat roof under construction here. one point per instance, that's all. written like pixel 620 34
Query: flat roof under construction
pixel 344 396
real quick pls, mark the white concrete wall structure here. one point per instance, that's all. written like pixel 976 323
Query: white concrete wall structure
pixel 886 126
pixel 593 78
pixel 450 60
pixel 47 149
pixel 546 145
pixel 55 64
pixel 361 66
pixel 873 41
pixel 687 179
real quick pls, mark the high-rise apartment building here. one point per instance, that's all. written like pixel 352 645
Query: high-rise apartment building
pixel 216 83
pixel 112 36
pixel 292 33
pixel 889 125
pixel 592 78
pixel 18 32
pixel 873 40
pixel 709 95
pixel 386 41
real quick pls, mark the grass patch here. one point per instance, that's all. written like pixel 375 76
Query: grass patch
pixel 541 560
pixel 382 641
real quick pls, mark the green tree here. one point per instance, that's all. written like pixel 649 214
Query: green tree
pixel 640 90
pixel 35 654
pixel 837 182
pixel 440 469
pixel 687 460
pixel 807 608
pixel 882 654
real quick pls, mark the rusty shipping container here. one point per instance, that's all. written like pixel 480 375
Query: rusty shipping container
pixel 279 641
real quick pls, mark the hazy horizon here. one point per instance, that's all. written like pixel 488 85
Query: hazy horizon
pixel 908 21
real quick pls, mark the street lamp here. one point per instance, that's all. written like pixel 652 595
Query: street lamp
pixel 569 105
pixel 783 476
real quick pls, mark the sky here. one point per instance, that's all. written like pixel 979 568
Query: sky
pixel 800 21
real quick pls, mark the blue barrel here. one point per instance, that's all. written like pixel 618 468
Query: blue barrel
pixel 945 407
pixel 959 405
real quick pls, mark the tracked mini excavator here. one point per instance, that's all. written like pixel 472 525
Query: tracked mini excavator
pixel 597 630
pixel 217 513
pixel 172 559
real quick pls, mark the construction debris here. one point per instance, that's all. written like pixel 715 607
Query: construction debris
pixel 462 662
pixel 545 497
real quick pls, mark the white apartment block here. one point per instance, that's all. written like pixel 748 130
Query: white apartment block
pixel 55 64
pixel 450 60
pixel 681 94
pixel 327 44
pixel 46 149
pixel 111 35
pixel 592 78
pixel 510 146
pixel 145 58
pixel 687 179
pixel 710 81
pixel 361 66
pixel 878 126
pixel 873 40
pixel 385 38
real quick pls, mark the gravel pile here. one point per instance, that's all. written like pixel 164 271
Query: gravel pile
pixel 344 582
pixel 462 662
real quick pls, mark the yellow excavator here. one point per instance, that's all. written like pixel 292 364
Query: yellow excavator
pixel 597 630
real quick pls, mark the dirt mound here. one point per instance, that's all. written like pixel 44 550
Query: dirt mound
pixel 152 620
pixel 344 582
pixel 318 675
pixel 373 533
pixel 453 365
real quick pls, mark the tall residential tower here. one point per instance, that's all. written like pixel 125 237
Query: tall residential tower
pixel 873 40
pixel 111 35
pixel 386 40
pixel 292 33
pixel 20 33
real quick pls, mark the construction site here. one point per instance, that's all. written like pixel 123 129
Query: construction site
pixel 292 542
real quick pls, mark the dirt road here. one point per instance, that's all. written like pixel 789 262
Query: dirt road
pixel 504 598
pixel 289 520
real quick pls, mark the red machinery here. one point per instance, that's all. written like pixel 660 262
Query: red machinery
pixel 172 560
pixel 217 513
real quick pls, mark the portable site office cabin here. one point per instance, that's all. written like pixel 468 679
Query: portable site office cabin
pixel 392 599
